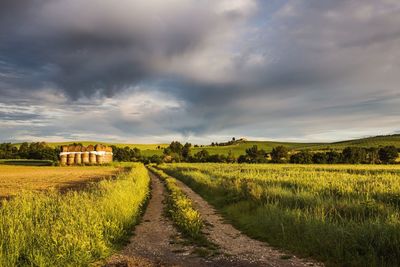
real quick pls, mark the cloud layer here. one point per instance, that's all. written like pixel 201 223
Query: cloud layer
pixel 199 70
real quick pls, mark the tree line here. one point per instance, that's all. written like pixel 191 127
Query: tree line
pixel 37 150
pixel 177 152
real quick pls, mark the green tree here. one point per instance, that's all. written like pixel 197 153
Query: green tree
pixel 354 155
pixel 255 155
pixel 388 154
pixel 279 154
pixel 319 158
pixel 186 151
pixel 202 156
pixel 230 158
pixel 303 157
pixel 333 157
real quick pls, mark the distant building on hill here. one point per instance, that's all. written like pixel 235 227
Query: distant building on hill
pixel 76 154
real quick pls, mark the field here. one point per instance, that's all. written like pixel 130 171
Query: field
pixel 75 228
pixel 239 148
pixel 344 215
pixel 15 179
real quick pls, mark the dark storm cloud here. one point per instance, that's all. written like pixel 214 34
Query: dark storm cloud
pixel 85 47
pixel 298 68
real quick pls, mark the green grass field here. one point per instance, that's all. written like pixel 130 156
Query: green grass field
pixel 239 149
pixel 345 215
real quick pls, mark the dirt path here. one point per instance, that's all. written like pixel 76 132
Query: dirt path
pixel 156 242
pixel 241 247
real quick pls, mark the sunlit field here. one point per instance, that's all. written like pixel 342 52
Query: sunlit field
pixel 345 215
pixel 14 179
pixel 74 228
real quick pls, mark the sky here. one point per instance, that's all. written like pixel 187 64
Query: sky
pixel 198 70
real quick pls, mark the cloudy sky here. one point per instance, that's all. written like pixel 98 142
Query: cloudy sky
pixel 198 70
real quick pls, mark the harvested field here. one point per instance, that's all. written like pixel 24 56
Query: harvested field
pixel 14 179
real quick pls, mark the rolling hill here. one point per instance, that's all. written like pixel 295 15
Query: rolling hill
pixel 239 147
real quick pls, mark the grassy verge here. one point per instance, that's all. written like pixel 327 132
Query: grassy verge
pixel 346 216
pixel 180 208
pixel 72 229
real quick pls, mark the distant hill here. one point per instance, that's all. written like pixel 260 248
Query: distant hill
pixel 240 146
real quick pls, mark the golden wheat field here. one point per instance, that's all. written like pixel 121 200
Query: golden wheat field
pixel 14 179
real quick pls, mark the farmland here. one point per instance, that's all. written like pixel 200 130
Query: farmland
pixel 74 228
pixel 344 215
pixel 240 147
pixel 15 179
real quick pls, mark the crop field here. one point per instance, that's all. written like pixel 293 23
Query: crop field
pixel 344 215
pixel 15 179
pixel 75 228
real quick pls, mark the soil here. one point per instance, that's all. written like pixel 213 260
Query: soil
pixel 156 241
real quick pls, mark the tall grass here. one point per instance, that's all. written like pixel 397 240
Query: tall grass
pixel 71 229
pixel 180 208
pixel 345 215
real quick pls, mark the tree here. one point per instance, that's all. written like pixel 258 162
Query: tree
pixel 173 153
pixel 23 150
pixel 155 159
pixel 319 158
pixel 388 154
pixel 201 156
pixel 216 158
pixel 243 159
pixel 373 155
pixel 333 157
pixel 176 147
pixel 126 154
pixel 279 154
pixel 255 155
pixel 231 157
pixel 354 155
pixel 303 157
pixel 186 151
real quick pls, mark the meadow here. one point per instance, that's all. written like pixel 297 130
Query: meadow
pixel 15 179
pixel 73 228
pixel 344 215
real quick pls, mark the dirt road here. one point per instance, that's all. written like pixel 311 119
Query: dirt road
pixel 241 247
pixel 156 242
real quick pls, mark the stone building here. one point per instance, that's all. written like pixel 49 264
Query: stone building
pixel 76 155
